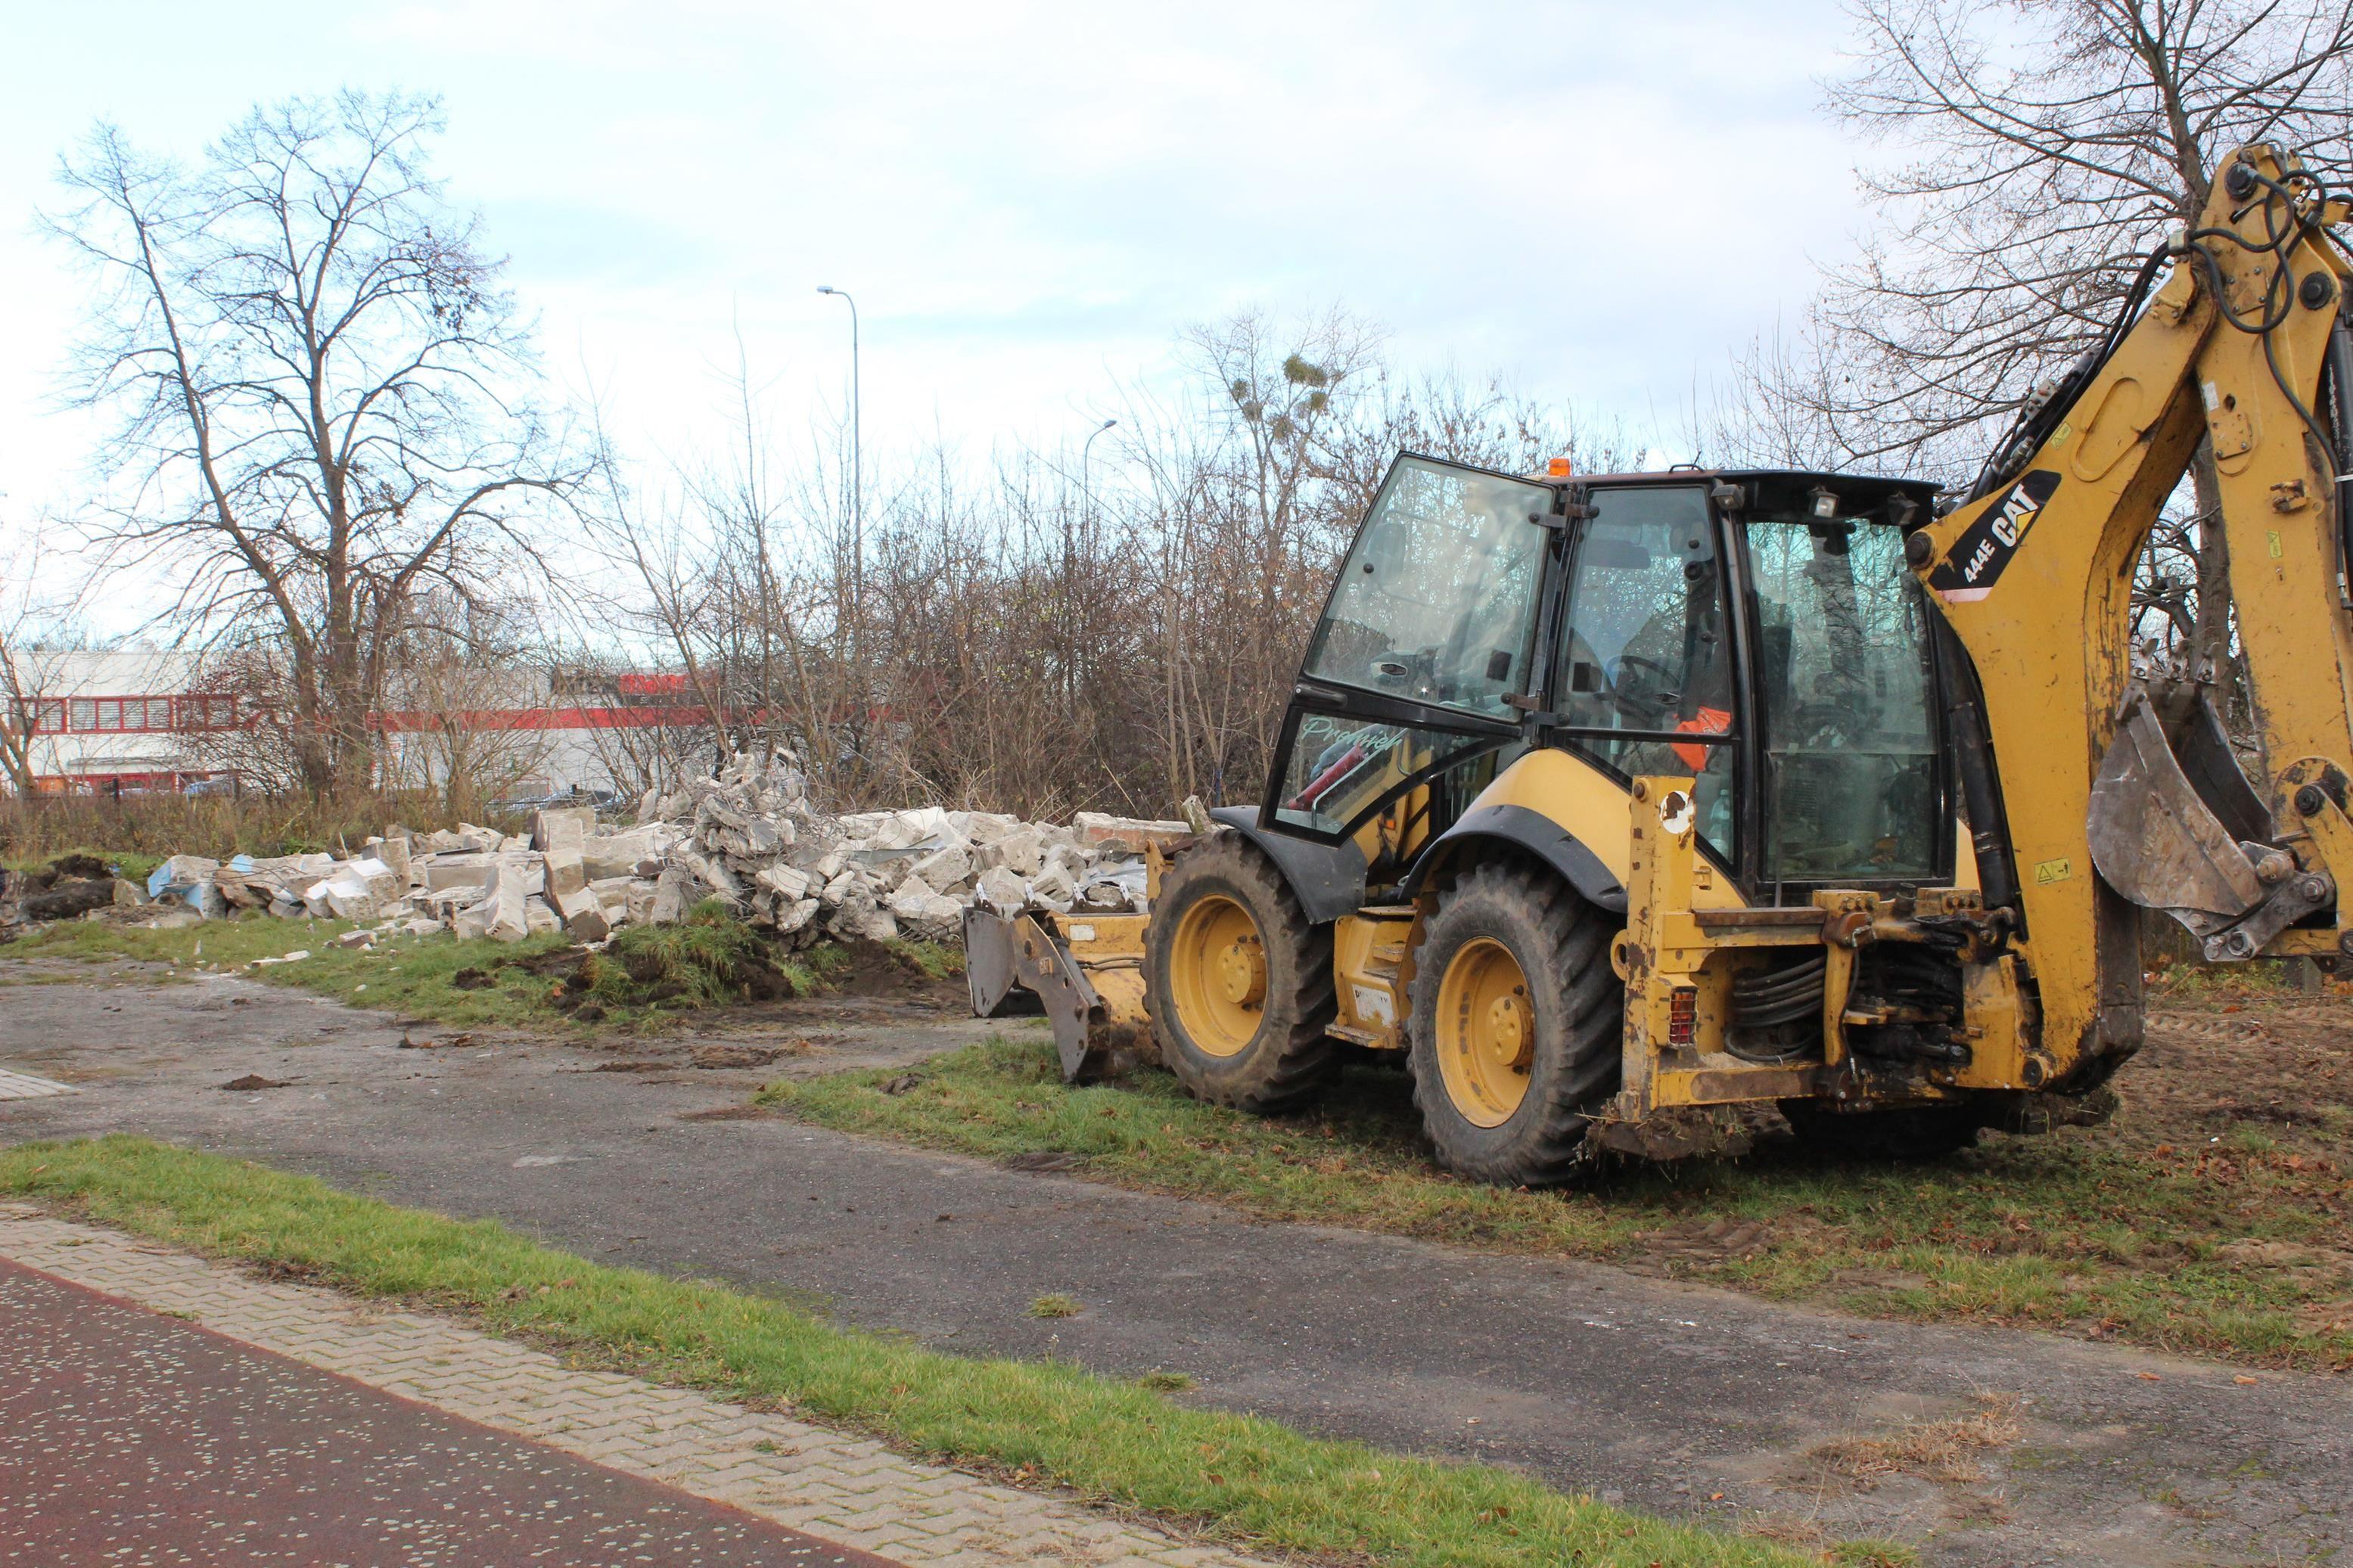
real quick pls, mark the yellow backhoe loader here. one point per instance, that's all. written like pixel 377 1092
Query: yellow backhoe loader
pixel 1618 804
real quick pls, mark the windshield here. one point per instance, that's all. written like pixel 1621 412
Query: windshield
pixel 1435 601
pixel 1850 744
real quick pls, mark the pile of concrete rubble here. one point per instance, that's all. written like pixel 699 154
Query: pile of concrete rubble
pixel 750 836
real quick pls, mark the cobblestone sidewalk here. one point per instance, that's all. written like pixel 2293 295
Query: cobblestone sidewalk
pixel 845 1488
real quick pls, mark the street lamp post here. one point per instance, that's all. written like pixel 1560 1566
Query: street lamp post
pixel 1086 491
pixel 857 458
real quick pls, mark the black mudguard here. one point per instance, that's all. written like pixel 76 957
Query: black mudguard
pixel 1534 832
pixel 1328 879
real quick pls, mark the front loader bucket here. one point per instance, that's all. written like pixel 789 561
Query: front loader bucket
pixel 1084 972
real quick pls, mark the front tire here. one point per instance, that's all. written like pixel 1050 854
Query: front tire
pixel 1238 983
pixel 1516 1026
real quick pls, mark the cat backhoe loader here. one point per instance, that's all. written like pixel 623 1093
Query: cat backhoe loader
pixel 1622 805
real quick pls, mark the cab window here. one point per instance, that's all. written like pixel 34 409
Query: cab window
pixel 1850 734
pixel 1436 601
pixel 1645 676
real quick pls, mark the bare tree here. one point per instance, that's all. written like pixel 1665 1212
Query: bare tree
pixel 37 636
pixel 2037 152
pixel 321 393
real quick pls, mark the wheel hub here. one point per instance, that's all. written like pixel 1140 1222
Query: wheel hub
pixel 1507 1031
pixel 1241 971
pixel 1486 1032
pixel 1217 978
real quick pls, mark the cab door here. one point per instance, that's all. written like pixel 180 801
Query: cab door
pixel 1418 671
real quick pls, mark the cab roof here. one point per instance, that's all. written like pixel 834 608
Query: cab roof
pixel 1781 489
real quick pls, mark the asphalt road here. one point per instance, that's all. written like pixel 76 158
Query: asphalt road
pixel 1678 1399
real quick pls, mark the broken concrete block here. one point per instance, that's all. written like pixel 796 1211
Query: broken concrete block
pixel 619 854
pixel 583 914
pixel 180 871
pixel 356 939
pixel 1129 834
pixel 502 911
pixel 539 918
pixel 562 826
pixel 861 917
pixel 799 914
pixel 392 852
pixel 1054 886
pixel 674 894
pixel 564 871
pixel 934 917
pixel 785 881
pixel 1021 851
pixel 944 868
pixel 1001 892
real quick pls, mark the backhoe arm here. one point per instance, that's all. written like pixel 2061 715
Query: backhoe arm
pixel 2086 791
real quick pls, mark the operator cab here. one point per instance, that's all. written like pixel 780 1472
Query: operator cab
pixel 1757 629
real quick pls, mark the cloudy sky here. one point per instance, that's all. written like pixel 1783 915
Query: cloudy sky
pixel 1028 200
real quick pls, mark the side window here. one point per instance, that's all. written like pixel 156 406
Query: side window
pixel 1646 648
pixel 1851 742
pixel 1340 766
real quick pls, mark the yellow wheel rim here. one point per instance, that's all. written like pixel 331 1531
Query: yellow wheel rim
pixel 1486 1032
pixel 1217 976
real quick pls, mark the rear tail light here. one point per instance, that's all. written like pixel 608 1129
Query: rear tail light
pixel 1682 1015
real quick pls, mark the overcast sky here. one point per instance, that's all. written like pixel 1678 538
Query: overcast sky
pixel 1027 201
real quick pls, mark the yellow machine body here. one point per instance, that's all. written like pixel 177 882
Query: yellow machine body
pixel 2067 815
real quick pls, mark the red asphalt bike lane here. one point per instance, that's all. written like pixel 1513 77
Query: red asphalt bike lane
pixel 130 1438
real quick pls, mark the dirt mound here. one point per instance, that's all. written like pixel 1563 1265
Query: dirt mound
pixel 873 969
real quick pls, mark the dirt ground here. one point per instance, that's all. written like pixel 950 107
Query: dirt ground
pixel 1981 1446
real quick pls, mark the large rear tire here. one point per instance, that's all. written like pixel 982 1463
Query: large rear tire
pixel 1516 1023
pixel 1238 983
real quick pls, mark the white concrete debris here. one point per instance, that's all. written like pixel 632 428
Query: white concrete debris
pixel 750 837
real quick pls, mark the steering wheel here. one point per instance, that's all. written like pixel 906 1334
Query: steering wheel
pixel 1641 707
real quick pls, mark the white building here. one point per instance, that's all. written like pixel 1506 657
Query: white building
pixel 139 721
pixel 117 720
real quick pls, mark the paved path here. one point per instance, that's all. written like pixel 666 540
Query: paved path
pixel 262 1423
pixel 1683 1400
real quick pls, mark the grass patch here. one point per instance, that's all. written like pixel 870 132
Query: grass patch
pixel 708 960
pixel 2241 1248
pixel 1055 1305
pixel 642 980
pixel 416 976
pixel 134 865
pixel 1245 1479
pixel 938 960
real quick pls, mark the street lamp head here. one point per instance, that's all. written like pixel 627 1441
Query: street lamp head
pixel 825 288
pixel 1106 426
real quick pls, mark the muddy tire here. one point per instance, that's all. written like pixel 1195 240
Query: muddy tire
pixel 1906 1135
pixel 1238 983
pixel 1516 1023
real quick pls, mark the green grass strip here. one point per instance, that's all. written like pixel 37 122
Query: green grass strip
pixel 2217 1249
pixel 650 975
pixel 1247 1479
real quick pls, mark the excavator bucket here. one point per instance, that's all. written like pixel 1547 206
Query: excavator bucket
pixel 2174 826
pixel 1085 973
pixel 2157 841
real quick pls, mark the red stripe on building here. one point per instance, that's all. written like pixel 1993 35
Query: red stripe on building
pixel 486 719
